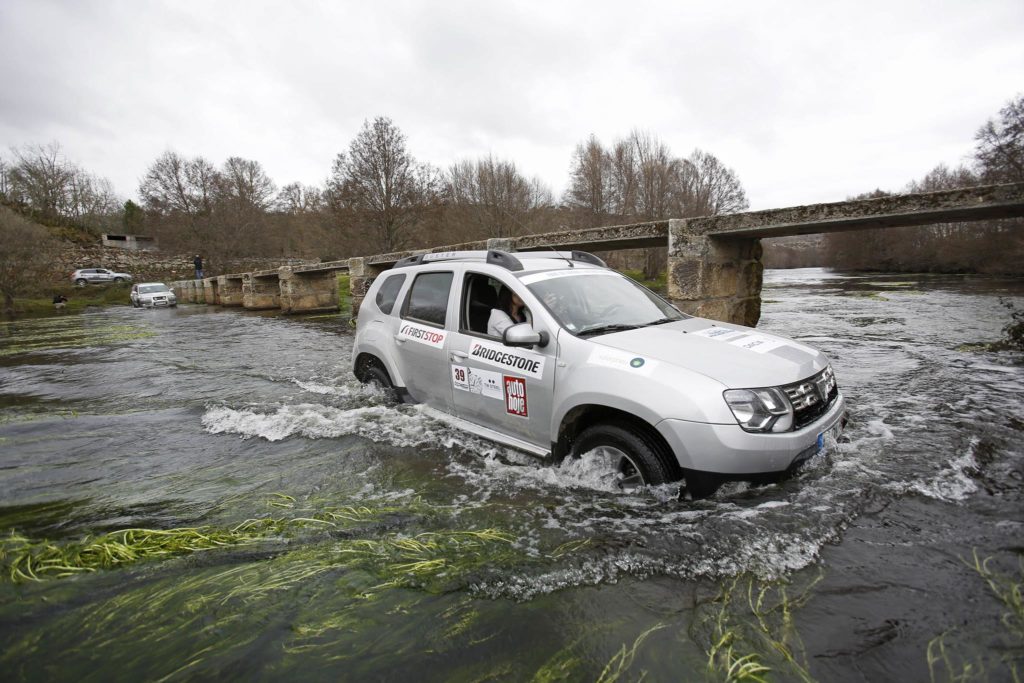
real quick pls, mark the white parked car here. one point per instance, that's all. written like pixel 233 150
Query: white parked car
pixel 152 295
pixel 98 276
pixel 604 368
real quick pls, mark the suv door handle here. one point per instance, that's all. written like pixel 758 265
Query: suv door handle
pixel 459 355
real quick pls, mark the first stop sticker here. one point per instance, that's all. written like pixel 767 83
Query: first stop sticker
pixel 515 396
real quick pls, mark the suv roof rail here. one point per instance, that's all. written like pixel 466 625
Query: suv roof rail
pixel 505 259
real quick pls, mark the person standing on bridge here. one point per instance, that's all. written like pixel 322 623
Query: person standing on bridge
pixel 198 263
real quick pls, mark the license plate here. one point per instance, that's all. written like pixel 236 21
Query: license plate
pixel 832 433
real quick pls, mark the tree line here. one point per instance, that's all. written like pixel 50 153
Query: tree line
pixel 978 247
pixel 377 197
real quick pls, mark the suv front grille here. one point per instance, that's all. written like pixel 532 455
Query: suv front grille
pixel 812 397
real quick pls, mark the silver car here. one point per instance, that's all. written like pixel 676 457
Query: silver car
pixel 96 276
pixel 603 368
pixel 152 295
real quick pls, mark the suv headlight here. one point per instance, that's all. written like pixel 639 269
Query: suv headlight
pixel 760 410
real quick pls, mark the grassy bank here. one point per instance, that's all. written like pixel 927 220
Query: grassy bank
pixel 79 299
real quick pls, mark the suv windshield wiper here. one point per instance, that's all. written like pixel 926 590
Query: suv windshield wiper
pixel 605 329
pixel 662 321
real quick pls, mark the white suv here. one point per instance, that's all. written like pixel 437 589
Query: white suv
pixel 604 368
pixel 95 276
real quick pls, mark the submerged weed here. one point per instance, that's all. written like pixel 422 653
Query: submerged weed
pixel 1008 590
pixel 748 631
pixel 623 659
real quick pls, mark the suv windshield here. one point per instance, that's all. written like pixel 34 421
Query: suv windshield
pixel 599 301
pixel 150 289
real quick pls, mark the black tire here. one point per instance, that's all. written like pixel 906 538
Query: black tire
pixel 118 279
pixel 81 282
pixel 373 373
pixel 641 455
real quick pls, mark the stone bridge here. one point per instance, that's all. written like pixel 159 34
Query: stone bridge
pixel 714 262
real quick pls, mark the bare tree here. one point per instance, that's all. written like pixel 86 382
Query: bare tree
pixel 1000 145
pixel 26 257
pixel 491 198
pixel 297 199
pixel 381 186
pixel 590 191
pixel 179 195
pixel 709 187
pixel 243 194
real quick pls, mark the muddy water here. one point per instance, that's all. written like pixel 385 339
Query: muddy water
pixel 389 546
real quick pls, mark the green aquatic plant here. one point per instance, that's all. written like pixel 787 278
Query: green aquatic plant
pixel 75 336
pixel 1013 333
pixel 623 659
pixel 1009 591
pixel 23 559
pixel 397 559
pixel 748 631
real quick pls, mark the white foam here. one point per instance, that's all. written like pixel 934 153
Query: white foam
pixel 378 423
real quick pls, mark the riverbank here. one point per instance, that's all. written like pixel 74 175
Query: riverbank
pixel 79 299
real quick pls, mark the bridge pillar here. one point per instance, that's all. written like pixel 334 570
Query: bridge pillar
pixel 361 276
pixel 210 292
pixel 229 290
pixel 261 291
pixel 713 277
pixel 312 292
pixel 501 243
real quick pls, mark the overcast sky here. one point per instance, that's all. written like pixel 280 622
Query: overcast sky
pixel 807 101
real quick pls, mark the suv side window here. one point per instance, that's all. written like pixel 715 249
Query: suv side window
pixel 388 292
pixel 428 299
pixel 479 297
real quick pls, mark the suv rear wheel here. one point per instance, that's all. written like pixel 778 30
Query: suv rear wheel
pixel 632 453
pixel 373 373
pixel 81 282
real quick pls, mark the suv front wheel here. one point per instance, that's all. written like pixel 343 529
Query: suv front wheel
pixel 634 456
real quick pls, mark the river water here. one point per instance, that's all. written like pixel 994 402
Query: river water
pixel 358 540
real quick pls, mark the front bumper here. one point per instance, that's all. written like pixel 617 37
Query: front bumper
pixel 727 449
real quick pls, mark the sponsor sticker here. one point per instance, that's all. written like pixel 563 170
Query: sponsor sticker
pixel 422 334
pixel 721 333
pixel 758 343
pixel 622 360
pixel 515 396
pixel 482 382
pixel 743 339
pixel 507 358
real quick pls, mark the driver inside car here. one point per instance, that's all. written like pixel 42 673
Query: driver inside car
pixel 509 311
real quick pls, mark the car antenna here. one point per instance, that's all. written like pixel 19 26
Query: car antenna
pixel 567 260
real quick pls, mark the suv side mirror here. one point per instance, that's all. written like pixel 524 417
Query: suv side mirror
pixel 524 335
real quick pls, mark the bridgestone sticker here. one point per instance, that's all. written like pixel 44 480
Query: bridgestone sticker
pixel 515 396
pixel 422 334
pixel 482 382
pixel 745 340
pixel 506 358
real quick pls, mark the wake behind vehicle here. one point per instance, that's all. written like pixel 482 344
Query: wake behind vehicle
pixel 604 368
pixel 97 276
pixel 152 295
